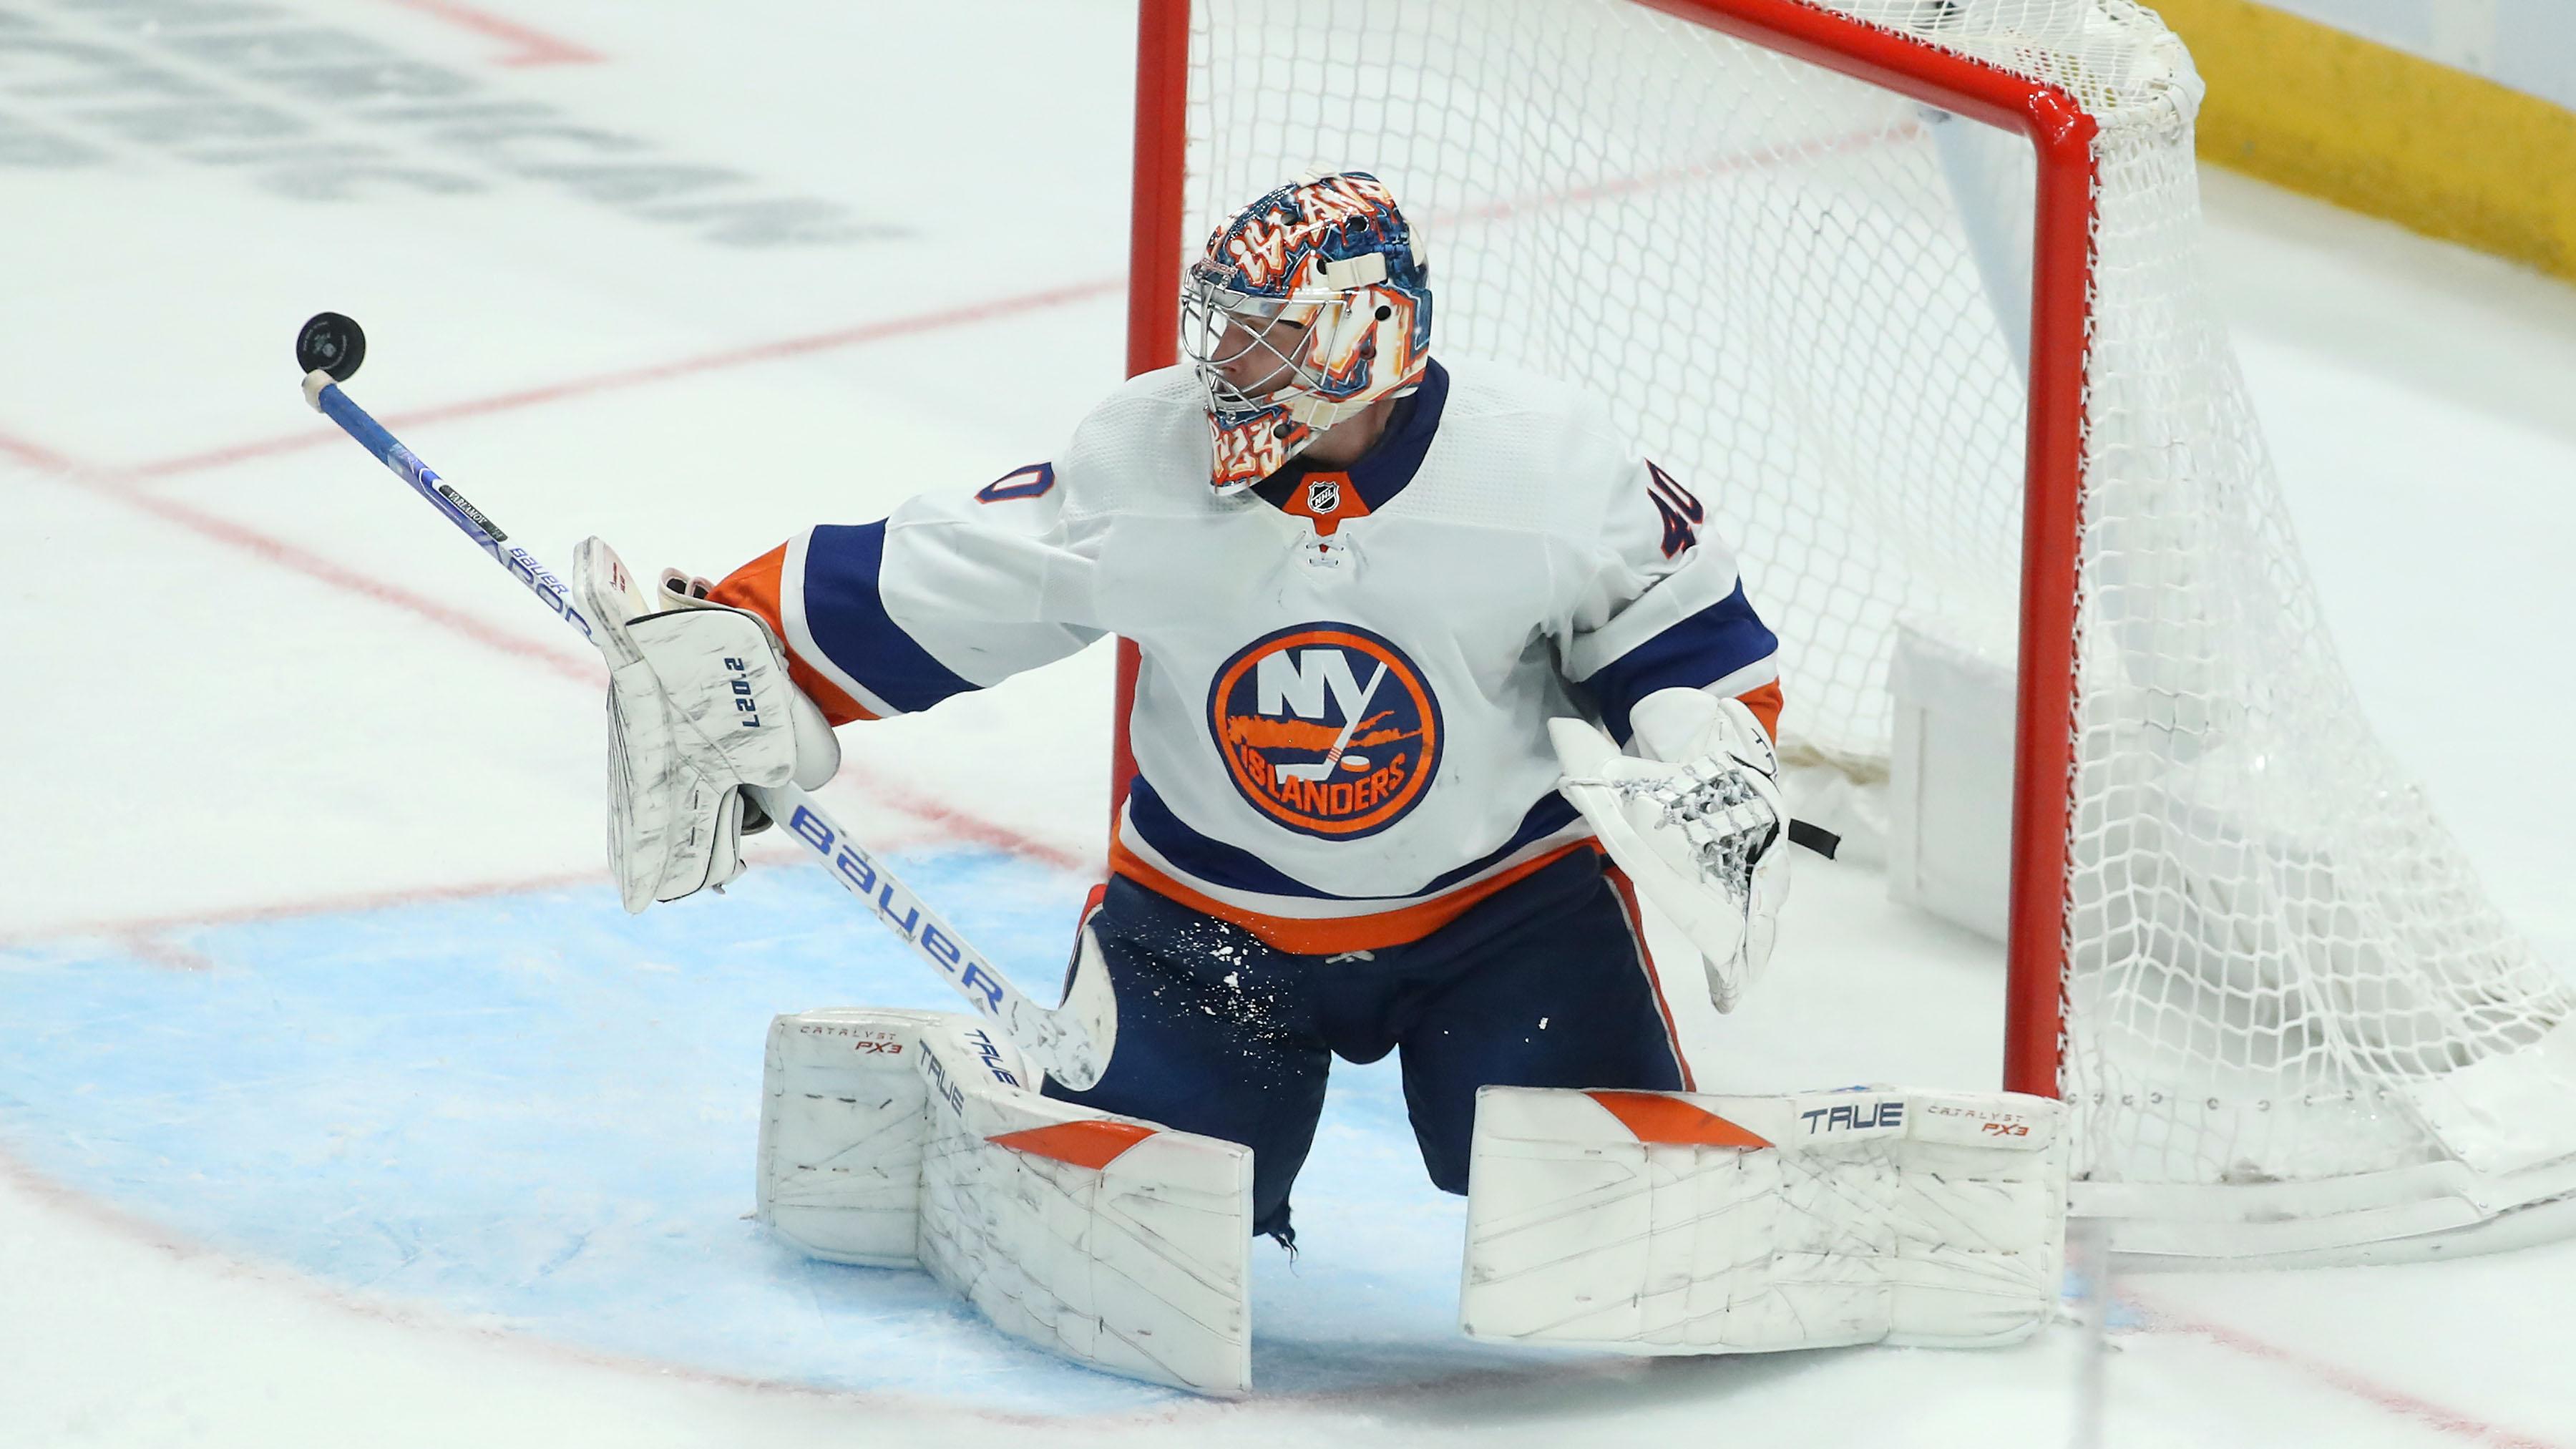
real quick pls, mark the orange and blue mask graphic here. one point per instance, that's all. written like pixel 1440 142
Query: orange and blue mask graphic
pixel 1252 445
pixel 1308 306
pixel 1327 729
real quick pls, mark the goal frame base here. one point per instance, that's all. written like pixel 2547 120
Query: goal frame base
pixel 2406 1215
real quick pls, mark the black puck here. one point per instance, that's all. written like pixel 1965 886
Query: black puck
pixel 331 343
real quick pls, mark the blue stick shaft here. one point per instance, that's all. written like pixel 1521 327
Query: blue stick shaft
pixel 469 520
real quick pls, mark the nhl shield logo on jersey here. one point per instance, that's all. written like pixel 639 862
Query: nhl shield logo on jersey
pixel 1326 728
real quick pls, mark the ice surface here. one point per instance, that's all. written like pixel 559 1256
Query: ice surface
pixel 339 1103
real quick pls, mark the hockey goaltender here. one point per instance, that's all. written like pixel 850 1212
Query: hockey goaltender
pixel 1438 676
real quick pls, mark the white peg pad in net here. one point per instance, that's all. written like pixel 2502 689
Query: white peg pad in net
pixel 1808 298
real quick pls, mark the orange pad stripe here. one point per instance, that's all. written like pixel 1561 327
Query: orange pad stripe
pixel 1331 937
pixel 1765 704
pixel 1091 1143
pixel 1671 1122
pixel 755 588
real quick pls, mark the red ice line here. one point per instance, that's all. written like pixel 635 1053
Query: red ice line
pixel 1440 1386
pixel 141 931
pixel 297 559
pixel 534 47
pixel 2454 1422
pixel 43 460
pixel 143 935
pixel 133 1227
pixel 177 1248
pixel 304 438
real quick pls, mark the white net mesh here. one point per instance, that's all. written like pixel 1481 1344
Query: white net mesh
pixel 1809 297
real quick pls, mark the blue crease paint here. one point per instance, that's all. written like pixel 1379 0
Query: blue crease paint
pixel 539 1112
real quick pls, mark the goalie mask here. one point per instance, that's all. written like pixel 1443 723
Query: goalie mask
pixel 1308 306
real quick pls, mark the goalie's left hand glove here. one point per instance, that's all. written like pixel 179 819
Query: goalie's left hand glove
pixel 1698 824
pixel 699 707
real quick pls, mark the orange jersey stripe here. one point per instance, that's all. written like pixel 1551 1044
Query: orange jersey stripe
pixel 755 588
pixel 1346 933
pixel 1765 704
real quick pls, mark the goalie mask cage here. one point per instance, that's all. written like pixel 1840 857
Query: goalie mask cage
pixel 1908 289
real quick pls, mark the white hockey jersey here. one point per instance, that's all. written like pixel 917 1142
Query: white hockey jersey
pixel 1340 723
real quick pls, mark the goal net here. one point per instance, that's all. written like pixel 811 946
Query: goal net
pixel 1907 290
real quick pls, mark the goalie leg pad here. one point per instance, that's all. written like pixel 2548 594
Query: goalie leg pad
pixel 1673 1223
pixel 842 1127
pixel 896 1139
pixel 1217 1034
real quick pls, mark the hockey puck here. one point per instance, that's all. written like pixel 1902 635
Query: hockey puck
pixel 331 343
pixel 1355 763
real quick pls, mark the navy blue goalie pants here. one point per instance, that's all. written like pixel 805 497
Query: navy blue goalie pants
pixel 1545 983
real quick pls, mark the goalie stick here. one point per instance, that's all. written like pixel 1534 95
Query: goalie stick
pixel 1072 1047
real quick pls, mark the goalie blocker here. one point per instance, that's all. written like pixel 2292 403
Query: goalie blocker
pixel 1641 1222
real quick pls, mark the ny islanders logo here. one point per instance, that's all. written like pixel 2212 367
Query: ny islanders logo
pixel 1327 729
